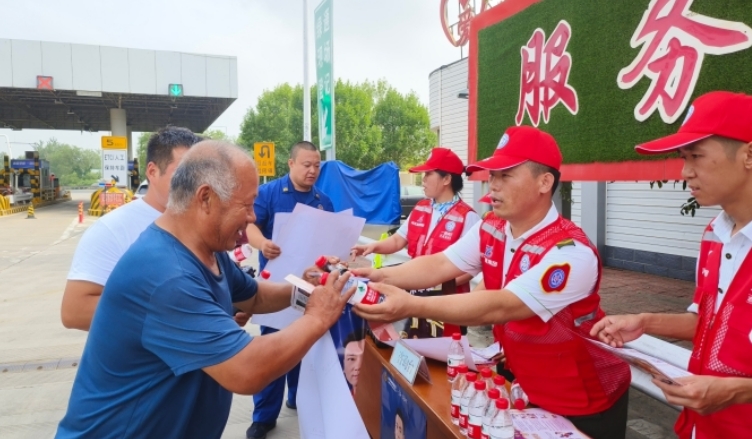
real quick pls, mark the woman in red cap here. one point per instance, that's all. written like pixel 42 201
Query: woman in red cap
pixel 436 222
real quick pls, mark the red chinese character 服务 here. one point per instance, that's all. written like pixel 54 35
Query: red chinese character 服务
pixel 674 42
pixel 544 75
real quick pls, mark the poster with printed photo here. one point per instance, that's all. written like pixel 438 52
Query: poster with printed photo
pixel 401 418
pixel 348 335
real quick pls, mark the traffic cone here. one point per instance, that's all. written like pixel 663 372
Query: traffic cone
pixel 80 212
pixel 30 212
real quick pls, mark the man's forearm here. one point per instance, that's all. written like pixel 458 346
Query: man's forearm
pixel 421 272
pixel 741 388
pixel 679 326
pixel 255 238
pixel 477 308
pixel 270 297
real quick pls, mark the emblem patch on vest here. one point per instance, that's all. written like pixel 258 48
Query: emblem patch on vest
pixel 525 263
pixel 555 278
pixel 489 251
pixel 565 243
pixel 450 225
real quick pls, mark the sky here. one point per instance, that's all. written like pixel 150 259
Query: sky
pixel 400 41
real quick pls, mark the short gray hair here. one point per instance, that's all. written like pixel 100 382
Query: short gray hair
pixel 199 168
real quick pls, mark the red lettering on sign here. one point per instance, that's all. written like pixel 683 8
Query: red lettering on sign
pixel 674 42
pixel 544 75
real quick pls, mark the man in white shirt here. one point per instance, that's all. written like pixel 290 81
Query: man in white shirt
pixel 715 142
pixel 106 241
pixel 540 289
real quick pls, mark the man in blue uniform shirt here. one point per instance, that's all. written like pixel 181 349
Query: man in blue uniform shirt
pixel 164 353
pixel 282 195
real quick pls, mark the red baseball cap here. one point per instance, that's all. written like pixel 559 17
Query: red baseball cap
pixel 519 145
pixel 486 199
pixel 718 113
pixel 441 159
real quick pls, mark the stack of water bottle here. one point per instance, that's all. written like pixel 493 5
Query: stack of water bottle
pixel 480 404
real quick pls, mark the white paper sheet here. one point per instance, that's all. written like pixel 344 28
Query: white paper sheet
pixel 326 409
pixel 304 235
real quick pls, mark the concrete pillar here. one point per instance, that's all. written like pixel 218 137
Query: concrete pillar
pixel 129 137
pixel 118 124
pixel 594 212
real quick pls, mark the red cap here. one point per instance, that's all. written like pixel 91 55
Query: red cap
pixel 486 199
pixel 502 403
pixel 480 385
pixel 519 145
pixel 321 262
pixel 499 380
pixel 494 394
pixel 265 274
pixel 471 376
pixel 519 404
pixel 486 372
pixel 718 113
pixel 456 336
pixel 441 159
pixel 462 368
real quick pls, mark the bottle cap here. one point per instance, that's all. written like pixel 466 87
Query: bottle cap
pixel 480 385
pixel 265 274
pixel 494 394
pixel 471 376
pixel 502 403
pixel 462 368
pixel 519 404
pixel 486 372
pixel 324 277
pixel 456 336
pixel 499 380
pixel 321 262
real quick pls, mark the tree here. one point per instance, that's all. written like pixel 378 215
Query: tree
pixel 374 124
pixel 71 164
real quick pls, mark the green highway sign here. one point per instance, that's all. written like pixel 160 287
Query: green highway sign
pixel 325 73
pixel 175 90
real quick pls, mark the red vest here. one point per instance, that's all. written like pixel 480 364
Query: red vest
pixel 447 232
pixel 559 370
pixel 722 343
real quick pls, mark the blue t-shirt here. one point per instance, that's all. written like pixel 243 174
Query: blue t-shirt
pixel 162 317
pixel 280 196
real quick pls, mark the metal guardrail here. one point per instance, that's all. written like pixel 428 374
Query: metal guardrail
pixel 670 353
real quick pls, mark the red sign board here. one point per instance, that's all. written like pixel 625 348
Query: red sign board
pixel 44 83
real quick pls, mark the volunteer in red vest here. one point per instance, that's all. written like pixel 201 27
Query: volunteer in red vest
pixel 540 289
pixel 437 221
pixel 715 143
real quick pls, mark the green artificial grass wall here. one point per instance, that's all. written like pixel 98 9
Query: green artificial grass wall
pixel 605 129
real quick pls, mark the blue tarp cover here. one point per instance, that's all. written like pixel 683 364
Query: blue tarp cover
pixel 373 194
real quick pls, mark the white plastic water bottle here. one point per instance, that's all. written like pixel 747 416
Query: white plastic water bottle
pixel 501 383
pixel 518 396
pixel 476 409
pixel 490 412
pixel 455 356
pixel 467 395
pixel 363 293
pixel 500 426
pixel 241 253
pixel 486 375
pixel 458 387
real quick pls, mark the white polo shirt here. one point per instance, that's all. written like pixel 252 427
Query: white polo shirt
pixel 578 284
pixel 735 251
